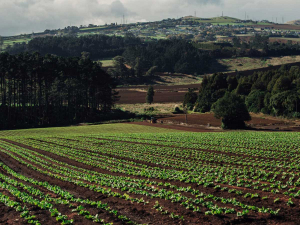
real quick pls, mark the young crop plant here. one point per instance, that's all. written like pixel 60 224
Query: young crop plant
pixel 192 170
pixel 290 202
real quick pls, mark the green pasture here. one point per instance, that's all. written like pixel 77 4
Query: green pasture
pixel 91 28
pixel 85 130
pixel 86 34
pixel 12 41
pixel 158 37
pixel 245 24
pixel 107 62
pixel 224 19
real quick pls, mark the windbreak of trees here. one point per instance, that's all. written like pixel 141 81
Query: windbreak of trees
pixel 48 90
pixel 168 56
pixel 258 46
pixel 275 92
pixel 99 46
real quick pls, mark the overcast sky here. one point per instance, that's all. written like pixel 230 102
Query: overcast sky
pixel 26 16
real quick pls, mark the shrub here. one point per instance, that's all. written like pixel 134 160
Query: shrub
pixel 233 111
pixel 177 110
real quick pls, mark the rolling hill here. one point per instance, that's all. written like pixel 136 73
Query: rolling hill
pixel 220 19
pixel 294 22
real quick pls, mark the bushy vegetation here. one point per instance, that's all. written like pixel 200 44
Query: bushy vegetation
pixel 169 56
pixel 258 46
pixel 274 92
pixel 189 99
pixel 144 58
pixel 233 111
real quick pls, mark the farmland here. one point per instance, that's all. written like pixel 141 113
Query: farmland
pixel 107 62
pixel 247 63
pixel 16 40
pixel 167 90
pixel 134 174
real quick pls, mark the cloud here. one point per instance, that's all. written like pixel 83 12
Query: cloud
pixel 25 16
pixel 117 9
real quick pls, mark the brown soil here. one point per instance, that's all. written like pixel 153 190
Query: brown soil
pixel 132 97
pixel 208 118
pixel 9 215
pixel 208 123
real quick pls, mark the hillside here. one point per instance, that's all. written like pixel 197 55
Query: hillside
pixel 220 19
pixel 294 22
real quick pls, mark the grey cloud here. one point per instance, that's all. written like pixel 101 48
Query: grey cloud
pixel 25 16
pixel 117 9
pixel 203 2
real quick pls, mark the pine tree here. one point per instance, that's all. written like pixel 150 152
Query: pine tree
pixel 150 94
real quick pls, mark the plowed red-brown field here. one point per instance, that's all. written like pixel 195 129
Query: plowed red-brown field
pixel 133 97
pixel 208 118
pixel 208 123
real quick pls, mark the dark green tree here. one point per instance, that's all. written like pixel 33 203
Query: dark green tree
pixel 190 98
pixel 38 90
pixel 232 83
pixel 138 68
pixel 233 111
pixel 282 84
pixel 243 88
pixel 1 43
pixel 120 68
pixel 236 41
pixel 255 101
pixel 150 95
pixel 151 71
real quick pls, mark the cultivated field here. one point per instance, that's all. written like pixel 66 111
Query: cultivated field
pixel 163 94
pixel 131 174
pixel 247 63
pixel 11 42
pixel 107 62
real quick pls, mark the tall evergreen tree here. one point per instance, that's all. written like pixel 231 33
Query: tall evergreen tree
pixel 150 95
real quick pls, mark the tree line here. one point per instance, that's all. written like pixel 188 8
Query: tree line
pixel 275 92
pixel 173 55
pixel 38 90
pixel 136 58
pixel 257 46
pixel 165 55
pixel 98 46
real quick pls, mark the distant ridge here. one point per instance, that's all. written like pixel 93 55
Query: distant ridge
pixel 220 19
pixel 294 22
